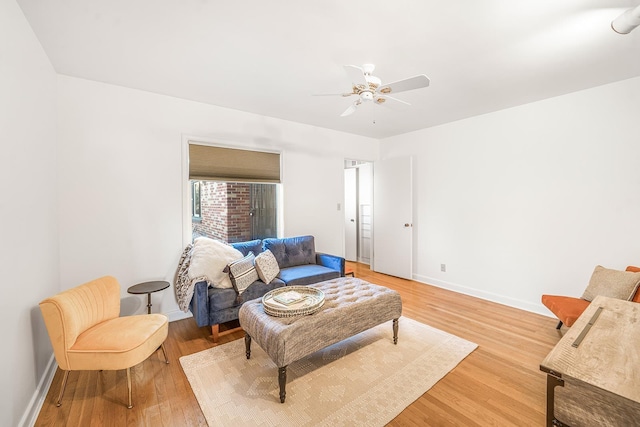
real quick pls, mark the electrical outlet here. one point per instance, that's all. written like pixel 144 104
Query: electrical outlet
pixel 443 268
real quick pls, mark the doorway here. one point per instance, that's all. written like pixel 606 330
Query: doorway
pixel 358 210
pixel 263 211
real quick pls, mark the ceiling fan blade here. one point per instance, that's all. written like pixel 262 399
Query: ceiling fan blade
pixel 349 111
pixel 383 98
pixel 352 108
pixel 334 94
pixel 411 83
pixel 356 74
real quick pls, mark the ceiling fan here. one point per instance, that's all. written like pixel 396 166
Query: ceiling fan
pixel 369 88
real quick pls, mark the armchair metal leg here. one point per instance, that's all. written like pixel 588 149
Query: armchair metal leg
pixel 130 405
pixel 166 359
pixel 559 325
pixel 64 384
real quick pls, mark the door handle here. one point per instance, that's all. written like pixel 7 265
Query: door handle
pixel 352 220
pixel 407 225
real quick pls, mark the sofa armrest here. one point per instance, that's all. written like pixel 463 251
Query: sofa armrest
pixel 200 303
pixel 331 261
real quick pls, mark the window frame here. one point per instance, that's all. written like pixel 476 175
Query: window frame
pixel 187 219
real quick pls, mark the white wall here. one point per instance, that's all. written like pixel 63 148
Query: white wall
pixel 28 212
pixel 121 180
pixel 528 200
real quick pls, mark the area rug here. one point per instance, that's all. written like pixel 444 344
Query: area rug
pixel 364 380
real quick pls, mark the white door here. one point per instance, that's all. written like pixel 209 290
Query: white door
pixel 392 217
pixel 350 215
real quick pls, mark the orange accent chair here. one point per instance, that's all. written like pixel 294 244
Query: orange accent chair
pixel 568 309
pixel 87 333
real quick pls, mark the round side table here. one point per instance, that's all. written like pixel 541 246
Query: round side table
pixel 148 288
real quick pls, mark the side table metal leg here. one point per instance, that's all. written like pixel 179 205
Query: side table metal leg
pixel 282 380
pixel 247 344
pixel 395 331
pixel 149 303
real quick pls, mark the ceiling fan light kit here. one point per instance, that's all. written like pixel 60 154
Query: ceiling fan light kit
pixel 369 88
pixel 626 22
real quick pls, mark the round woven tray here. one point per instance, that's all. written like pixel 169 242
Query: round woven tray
pixel 313 300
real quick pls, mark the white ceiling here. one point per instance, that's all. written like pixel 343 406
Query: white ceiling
pixel 269 57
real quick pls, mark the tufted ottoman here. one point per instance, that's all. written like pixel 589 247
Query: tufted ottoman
pixel 351 306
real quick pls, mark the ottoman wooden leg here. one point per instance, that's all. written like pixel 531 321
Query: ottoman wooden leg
pixel 282 380
pixel 247 344
pixel 395 331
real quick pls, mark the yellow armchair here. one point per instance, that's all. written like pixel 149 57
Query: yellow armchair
pixel 87 333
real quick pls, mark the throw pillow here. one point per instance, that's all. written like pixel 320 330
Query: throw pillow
pixel 242 272
pixel 209 258
pixel 611 283
pixel 267 266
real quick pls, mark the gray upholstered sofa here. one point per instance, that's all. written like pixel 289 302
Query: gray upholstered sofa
pixel 299 264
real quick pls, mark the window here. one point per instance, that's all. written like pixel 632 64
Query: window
pixel 234 193
pixel 196 205
pixel 236 211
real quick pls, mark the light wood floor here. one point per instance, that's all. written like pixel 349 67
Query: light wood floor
pixel 499 384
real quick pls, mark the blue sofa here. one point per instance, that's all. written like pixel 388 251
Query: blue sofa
pixel 299 264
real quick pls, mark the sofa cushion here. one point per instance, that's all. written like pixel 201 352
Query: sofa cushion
pixel 267 266
pixel 612 284
pixel 306 274
pixel 292 251
pixel 242 272
pixel 221 299
pixel 254 246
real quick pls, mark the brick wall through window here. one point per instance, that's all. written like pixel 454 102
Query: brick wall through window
pixel 225 208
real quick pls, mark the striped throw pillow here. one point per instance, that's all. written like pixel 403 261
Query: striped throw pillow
pixel 242 272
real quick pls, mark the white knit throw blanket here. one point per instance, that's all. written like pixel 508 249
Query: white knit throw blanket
pixel 203 260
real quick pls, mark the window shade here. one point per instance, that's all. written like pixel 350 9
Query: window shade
pixel 229 164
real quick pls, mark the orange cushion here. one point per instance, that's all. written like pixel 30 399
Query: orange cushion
pixel 566 309
pixel 636 297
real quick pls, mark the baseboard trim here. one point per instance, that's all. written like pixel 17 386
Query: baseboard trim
pixel 39 395
pixel 489 296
